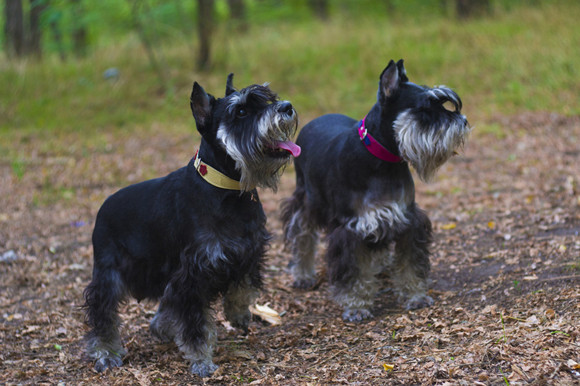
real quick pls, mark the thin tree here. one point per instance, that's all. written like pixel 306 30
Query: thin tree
pixel 470 8
pixel 79 30
pixel 320 8
pixel 37 7
pixel 238 15
pixel 159 65
pixel 205 27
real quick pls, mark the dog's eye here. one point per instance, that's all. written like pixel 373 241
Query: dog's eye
pixel 241 112
pixel 449 106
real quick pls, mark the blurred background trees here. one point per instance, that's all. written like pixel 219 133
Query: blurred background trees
pixel 26 24
pixel 73 27
pixel 119 63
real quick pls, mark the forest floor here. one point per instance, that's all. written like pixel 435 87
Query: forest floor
pixel 505 273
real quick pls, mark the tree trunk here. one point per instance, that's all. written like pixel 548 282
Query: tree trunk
pixel 79 31
pixel 238 15
pixel 159 65
pixel 14 28
pixel 390 7
pixel 35 44
pixel 320 8
pixel 205 26
pixel 469 8
pixel 57 36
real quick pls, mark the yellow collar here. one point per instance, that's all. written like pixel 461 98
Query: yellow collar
pixel 214 177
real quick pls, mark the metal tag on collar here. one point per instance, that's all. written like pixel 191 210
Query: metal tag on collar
pixel 363 133
pixel 364 138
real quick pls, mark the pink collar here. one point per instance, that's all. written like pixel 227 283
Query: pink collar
pixel 374 147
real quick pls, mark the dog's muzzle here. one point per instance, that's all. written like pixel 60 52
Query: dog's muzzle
pixel 283 128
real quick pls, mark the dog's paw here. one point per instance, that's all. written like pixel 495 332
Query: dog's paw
pixel 108 362
pixel 241 321
pixel 356 315
pixel 419 301
pixel 203 368
pixel 304 283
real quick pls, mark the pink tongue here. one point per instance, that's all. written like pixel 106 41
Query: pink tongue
pixel 291 147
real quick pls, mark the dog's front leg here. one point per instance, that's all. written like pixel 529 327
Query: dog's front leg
pixel 352 274
pixel 196 339
pixel 236 302
pixel 185 314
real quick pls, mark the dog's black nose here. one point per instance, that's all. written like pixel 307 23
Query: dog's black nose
pixel 286 107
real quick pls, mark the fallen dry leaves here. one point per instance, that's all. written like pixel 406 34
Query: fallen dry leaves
pixel 505 274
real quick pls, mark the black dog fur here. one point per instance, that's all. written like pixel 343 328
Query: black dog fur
pixel 185 242
pixel 363 203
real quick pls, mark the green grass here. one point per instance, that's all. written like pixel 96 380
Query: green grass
pixel 519 60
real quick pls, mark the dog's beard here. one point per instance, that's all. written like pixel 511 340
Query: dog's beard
pixel 427 147
pixel 257 156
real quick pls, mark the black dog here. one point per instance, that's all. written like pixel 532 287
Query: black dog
pixel 353 182
pixel 195 234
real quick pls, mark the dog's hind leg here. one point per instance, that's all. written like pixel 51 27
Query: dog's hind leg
pixel 102 298
pixel 236 301
pixel 162 325
pixel 301 236
pixel 411 264
pixel 303 239
pixel 352 270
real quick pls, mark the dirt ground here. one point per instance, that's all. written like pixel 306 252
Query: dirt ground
pixel 505 273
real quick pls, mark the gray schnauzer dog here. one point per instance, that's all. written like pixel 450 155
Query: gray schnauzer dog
pixel 353 182
pixel 195 235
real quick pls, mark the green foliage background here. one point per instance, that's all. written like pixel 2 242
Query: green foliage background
pixel 522 56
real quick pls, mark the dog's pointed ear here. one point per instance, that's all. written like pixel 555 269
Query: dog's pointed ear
pixel 390 79
pixel 402 71
pixel 201 104
pixel 230 84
